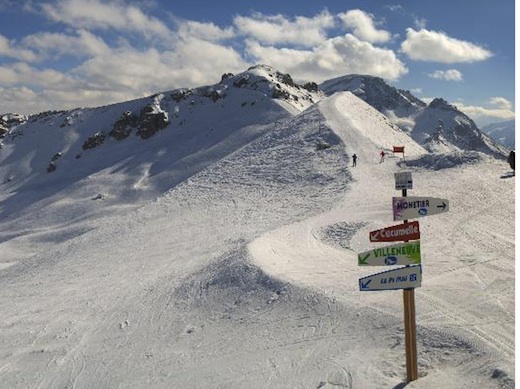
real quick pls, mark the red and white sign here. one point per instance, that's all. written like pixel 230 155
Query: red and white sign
pixel 399 149
pixel 399 233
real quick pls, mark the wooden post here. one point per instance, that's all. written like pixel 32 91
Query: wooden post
pixel 410 332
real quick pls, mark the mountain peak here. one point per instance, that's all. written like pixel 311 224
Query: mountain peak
pixel 440 103
pixel 415 116
pixel 273 83
pixel 376 92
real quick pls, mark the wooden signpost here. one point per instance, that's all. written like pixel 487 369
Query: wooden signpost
pixel 397 254
pixel 405 208
pixel 408 253
pixel 400 278
pixel 398 149
pixel 399 233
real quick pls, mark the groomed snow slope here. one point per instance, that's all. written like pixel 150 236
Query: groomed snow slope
pixel 467 296
pixel 245 274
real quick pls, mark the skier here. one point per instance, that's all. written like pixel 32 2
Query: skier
pixel 382 154
pixel 354 160
pixel 511 160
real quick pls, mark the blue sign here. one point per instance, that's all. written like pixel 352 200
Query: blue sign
pixel 402 278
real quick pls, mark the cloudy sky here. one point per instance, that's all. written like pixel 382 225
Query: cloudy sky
pixel 59 54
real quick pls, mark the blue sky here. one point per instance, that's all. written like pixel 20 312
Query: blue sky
pixel 60 54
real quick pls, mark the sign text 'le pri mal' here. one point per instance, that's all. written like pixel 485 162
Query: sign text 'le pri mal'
pixel 405 208
pixel 400 278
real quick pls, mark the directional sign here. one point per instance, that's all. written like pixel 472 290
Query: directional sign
pixel 403 180
pixel 401 278
pixel 398 254
pixel 398 233
pixel 413 207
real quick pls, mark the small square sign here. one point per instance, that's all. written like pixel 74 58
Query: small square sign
pixel 403 180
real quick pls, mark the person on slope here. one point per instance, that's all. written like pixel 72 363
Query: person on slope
pixel 511 160
pixel 382 155
pixel 354 160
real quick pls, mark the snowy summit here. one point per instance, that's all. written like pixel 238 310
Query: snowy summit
pixel 209 237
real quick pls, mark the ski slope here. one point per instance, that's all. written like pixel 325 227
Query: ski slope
pixel 245 274
pixel 467 254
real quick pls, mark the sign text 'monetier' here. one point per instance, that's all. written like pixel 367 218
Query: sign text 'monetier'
pixel 412 204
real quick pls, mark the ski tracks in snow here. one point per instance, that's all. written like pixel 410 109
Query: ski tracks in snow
pixel 459 296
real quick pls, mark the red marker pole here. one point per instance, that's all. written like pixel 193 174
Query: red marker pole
pixel 410 332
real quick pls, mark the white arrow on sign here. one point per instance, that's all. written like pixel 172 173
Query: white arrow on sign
pixel 413 207
pixel 401 278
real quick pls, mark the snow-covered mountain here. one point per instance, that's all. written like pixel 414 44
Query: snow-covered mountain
pixel 209 238
pixel 438 126
pixel 503 132
pixel 155 142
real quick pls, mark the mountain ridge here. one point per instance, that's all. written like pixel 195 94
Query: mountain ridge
pixel 420 119
pixel 195 127
pixel 439 126
pixel 503 132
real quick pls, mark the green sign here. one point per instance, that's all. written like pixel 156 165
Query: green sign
pixel 408 253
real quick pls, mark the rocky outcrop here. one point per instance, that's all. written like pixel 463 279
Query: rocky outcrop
pixel 4 128
pixel 94 141
pixel 10 120
pixel 180 94
pixel 123 126
pixel 151 120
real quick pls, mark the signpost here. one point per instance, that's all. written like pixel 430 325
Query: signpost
pixel 409 254
pixel 399 149
pixel 400 278
pixel 403 180
pixel 414 207
pixel 397 254
pixel 401 232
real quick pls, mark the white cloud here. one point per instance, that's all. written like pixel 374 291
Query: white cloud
pixel 206 31
pixel 52 45
pixel 483 115
pixel 278 29
pixel 118 75
pixel 406 123
pixel 109 68
pixel 21 73
pixel 419 23
pixel 333 57
pixel 27 100
pixel 501 102
pixel 193 63
pixel 7 50
pixel 362 25
pixel 424 45
pixel 96 14
pixel 26 89
pixel 447 75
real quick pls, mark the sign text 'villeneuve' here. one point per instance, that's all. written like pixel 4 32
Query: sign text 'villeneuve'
pixel 400 278
pixel 413 207
pixel 398 233
pixel 399 254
